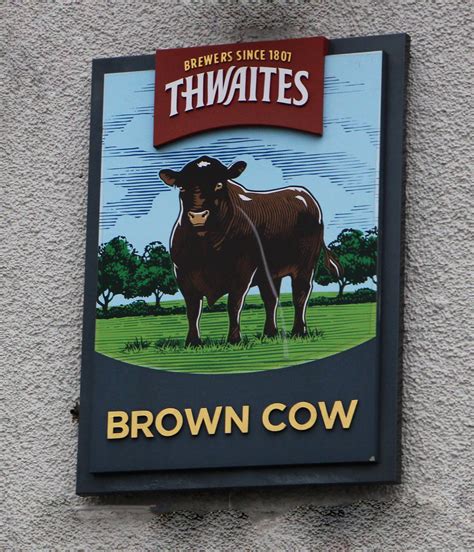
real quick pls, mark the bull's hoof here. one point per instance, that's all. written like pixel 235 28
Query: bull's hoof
pixel 270 333
pixel 233 340
pixel 193 342
pixel 299 333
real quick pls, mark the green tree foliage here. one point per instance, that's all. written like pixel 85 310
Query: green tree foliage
pixel 117 262
pixel 154 275
pixel 356 251
pixel 371 237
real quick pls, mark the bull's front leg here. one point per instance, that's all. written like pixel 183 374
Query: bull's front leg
pixel 270 292
pixel 193 311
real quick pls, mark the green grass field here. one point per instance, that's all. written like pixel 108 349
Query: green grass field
pixel 158 341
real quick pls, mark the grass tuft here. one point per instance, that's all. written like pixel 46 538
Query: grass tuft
pixel 138 344
pixel 209 344
pixel 212 344
pixel 313 335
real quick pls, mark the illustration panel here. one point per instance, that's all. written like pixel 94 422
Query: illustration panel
pixel 242 249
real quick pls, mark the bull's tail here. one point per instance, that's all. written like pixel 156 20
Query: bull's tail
pixel 331 263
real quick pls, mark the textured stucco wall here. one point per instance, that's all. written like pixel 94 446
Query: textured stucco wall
pixel 44 190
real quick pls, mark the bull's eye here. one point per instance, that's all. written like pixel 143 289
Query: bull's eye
pixel 180 189
pixel 219 186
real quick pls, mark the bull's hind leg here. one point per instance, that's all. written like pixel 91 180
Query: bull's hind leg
pixel 270 294
pixel 234 307
pixel 235 303
pixel 193 312
pixel 302 284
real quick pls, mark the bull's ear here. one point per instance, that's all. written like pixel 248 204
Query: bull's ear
pixel 168 176
pixel 236 169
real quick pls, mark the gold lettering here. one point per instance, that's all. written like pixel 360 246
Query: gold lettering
pixel 312 416
pixel 241 422
pixel 338 410
pixel 266 417
pixel 136 426
pixel 159 422
pixel 117 419
pixel 203 417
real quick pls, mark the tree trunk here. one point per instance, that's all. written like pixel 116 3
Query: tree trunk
pixel 158 297
pixel 342 285
pixel 105 301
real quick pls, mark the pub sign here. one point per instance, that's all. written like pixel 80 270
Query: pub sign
pixel 243 271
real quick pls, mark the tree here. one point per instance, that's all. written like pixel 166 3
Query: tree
pixel 117 262
pixel 154 275
pixel 356 251
pixel 370 253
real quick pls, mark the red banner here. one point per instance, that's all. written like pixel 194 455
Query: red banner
pixel 272 83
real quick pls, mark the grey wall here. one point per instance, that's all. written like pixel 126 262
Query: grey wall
pixel 43 218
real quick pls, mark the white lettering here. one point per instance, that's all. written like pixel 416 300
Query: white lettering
pixel 238 83
pixel 218 86
pixel 253 85
pixel 301 87
pixel 283 85
pixel 173 86
pixel 190 92
pixel 246 84
pixel 268 72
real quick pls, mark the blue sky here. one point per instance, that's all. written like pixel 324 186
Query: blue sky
pixel 341 168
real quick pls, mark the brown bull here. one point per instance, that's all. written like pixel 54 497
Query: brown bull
pixel 228 239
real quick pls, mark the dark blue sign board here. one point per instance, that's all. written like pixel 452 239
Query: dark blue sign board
pixel 367 450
